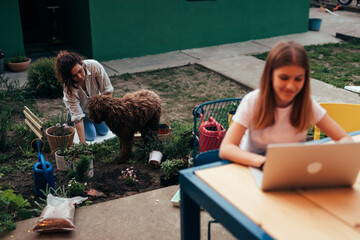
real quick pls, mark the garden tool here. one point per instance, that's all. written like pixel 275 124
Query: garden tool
pixel 43 170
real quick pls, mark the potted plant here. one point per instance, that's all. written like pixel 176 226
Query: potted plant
pixel 60 137
pixel 18 63
pixel 80 158
pixel 153 148
pixel 170 169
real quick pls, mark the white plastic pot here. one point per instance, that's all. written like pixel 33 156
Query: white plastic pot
pixel 155 158
pixel 60 162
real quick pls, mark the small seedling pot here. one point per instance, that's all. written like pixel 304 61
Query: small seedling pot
pixel 155 159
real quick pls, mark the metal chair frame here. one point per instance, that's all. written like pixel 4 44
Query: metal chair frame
pixel 219 110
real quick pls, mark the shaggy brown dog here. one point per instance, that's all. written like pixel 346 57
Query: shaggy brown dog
pixel 124 116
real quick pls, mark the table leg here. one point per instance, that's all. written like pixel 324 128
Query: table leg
pixel 190 217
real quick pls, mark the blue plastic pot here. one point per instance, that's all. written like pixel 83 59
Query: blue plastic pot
pixel 314 24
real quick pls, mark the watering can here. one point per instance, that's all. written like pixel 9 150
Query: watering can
pixel 43 170
pixel 211 133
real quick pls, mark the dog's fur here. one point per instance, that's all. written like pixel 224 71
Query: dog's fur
pixel 124 116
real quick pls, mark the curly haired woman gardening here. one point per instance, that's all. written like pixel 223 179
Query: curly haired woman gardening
pixel 82 79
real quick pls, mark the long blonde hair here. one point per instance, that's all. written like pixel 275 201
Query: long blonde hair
pixel 284 53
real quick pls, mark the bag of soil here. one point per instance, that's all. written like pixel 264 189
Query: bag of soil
pixel 58 215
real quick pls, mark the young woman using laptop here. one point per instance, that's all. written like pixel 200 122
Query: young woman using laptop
pixel 280 111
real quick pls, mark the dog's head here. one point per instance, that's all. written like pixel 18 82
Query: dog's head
pixel 96 105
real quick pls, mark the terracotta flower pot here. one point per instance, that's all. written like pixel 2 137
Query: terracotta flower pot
pixel 19 67
pixel 55 140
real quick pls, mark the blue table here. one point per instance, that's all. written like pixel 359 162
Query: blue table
pixel 196 193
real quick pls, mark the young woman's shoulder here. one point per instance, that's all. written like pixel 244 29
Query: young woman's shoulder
pixel 253 95
pixel 91 62
pixel 93 66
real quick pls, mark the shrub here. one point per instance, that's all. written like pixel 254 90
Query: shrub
pixel 76 188
pixel 42 78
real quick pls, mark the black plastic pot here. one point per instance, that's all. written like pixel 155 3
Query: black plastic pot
pixel 165 182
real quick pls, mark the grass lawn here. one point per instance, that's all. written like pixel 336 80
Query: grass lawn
pixel 334 63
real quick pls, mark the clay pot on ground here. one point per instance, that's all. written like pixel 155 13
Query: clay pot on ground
pixel 54 141
pixel 19 67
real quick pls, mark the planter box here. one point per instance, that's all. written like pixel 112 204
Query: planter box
pixel 175 201
pixel 163 133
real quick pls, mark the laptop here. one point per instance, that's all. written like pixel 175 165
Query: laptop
pixel 306 165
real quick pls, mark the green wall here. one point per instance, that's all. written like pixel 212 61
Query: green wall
pixel 11 38
pixel 77 30
pixel 114 29
pixel 123 28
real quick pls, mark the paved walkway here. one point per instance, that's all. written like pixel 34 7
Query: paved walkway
pixel 150 215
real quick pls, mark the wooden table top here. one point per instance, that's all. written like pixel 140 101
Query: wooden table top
pixel 291 214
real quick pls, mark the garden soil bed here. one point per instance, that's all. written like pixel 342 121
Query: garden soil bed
pixel 181 89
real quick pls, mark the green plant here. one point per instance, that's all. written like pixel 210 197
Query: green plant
pixel 6 169
pixel 76 150
pixel 171 167
pixel 129 176
pixel 3 157
pixel 179 144
pixel 22 131
pixel 82 167
pixel 13 207
pixel 103 148
pixel 42 78
pixel 14 97
pixel 24 165
pixel 108 160
pixel 76 188
pixel 59 192
pixel 17 59
pixel 27 152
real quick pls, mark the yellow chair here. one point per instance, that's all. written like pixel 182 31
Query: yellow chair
pixel 346 115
